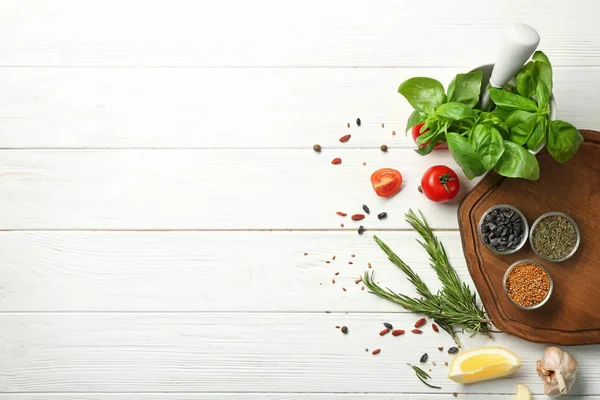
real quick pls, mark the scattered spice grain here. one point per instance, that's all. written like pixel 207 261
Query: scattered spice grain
pixel 424 358
pixel 364 163
pixel 362 288
pixel 337 273
pixel 337 327
pixel 344 289
pixel 417 331
pixel 376 351
pixel 348 124
pixel 352 255
pixel 397 332
pixel 435 328
pixel 342 225
pixel 433 363
pixel 333 281
pixel 382 215
pixel 345 138
pixel 327 262
pixel 305 254
pixel 441 348
pixel 341 213
pixel 366 209
pixel 336 161
pixel 383 148
pixel 317 148
pixel 333 258
pixel 393 133
pixel 350 262
pixel 357 281
pixel 344 329
pixel 388 325
pixel 445 363
pixel 361 230
pixel 453 350
pixel 527 284
pixel 369 265
pixel 358 217
pixel 358 122
pixel 420 322
pixel 455 394
pixel 384 332
pixel 420 189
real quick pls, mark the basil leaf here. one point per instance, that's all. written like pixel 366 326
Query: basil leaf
pixel 511 101
pixel 429 147
pixel 541 57
pixel 539 133
pixel 516 162
pixel 414 119
pixel 488 143
pixel 544 68
pixel 424 94
pixel 563 140
pixel 520 126
pixel 464 155
pixel 465 88
pixel 542 95
pixel 527 80
pixel 455 111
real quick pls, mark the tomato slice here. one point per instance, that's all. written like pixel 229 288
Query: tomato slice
pixel 386 182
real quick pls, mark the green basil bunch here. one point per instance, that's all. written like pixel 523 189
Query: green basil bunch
pixel 500 140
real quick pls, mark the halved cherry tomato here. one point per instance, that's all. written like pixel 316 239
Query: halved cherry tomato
pixel 416 132
pixel 440 183
pixel 386 182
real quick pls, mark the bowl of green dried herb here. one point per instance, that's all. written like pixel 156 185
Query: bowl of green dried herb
pixel 555 236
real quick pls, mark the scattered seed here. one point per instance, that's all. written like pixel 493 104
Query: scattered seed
pixel 397 332
pixel 429 369
pixel 435 328
pixel 317 148
pixel 424 358
pixel 337 327
pixel 305 254
pixel 327 262
pixel 420 322
pixel 382 215
pixel 366 209
pixel 358 217
pixel 393 133
pixel 384 332
pixel 337 273
pixel 357 281
pixel 333 281
pixel 364 163
pixel 446 363
pixel 441 348
pixel 453 350
pixel 376 351
pixel 362 288
pixel 348 124
pixel 382 125
pixel 388 325
pixel 433 363
pixel 358 121
pixel 344 329
pixel 344 289
pixel 336 161
pixel 361 230
pixel 333 258
pixel 369 265
pixel 383 148
pixel 420 189
pixel 455 394
pixel 366 349
pixel 350 262
pixel 345 138
pixel 341 214
pixel 342 225
pixel 417 331
pixel 352 255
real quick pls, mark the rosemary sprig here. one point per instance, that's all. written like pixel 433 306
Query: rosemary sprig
pixel 423 376
pixel 454 305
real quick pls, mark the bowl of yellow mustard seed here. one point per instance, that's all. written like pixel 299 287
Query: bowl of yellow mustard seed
pixel 527 284
pixel 554 236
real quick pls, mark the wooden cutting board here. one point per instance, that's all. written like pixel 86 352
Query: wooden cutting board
pixel 572 315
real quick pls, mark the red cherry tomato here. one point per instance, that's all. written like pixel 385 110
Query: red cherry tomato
pixel 416 132
pixel 440 183
pixel 386 182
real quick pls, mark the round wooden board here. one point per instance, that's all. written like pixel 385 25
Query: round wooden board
pixel 572 315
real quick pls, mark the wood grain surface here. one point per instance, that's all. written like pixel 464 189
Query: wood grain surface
pixel 573 188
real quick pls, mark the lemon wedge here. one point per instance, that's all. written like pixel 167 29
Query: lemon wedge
pixel 523 392
pixel 483 364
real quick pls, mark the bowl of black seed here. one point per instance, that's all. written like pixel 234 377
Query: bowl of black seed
pixel 503 229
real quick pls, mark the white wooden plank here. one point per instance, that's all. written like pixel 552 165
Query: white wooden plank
pixel 206 271
pixel 302 33
pixel 236 352
pixel 230 108
pixel 210 189
pixel 270 396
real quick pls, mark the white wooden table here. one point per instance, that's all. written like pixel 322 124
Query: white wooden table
pixel 158 191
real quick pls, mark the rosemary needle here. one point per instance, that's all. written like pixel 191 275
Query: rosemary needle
pixel 423 376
